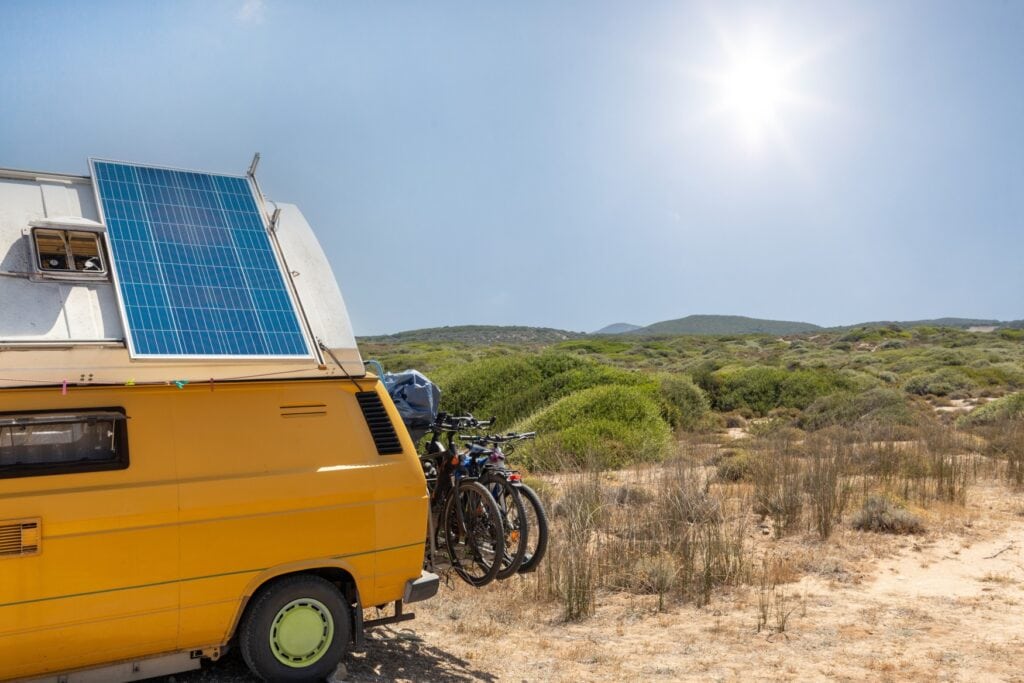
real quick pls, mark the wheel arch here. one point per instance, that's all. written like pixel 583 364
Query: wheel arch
pixel 336 571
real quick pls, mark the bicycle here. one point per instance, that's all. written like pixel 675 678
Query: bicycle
pixel 503 483
pixel 486 465
pixel 461 508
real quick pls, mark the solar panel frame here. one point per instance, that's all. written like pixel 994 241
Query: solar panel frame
pixel 295 308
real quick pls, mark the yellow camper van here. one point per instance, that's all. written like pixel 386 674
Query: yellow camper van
pixel 192 454
pixel 152 526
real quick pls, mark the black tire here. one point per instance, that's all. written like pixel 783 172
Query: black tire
pixel 474 535
pixel 514 522
pixel 273 606
pixel 537 525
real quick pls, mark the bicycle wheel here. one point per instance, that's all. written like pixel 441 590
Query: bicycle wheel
pixel 537 530
pixel 473 533
pixel 514 522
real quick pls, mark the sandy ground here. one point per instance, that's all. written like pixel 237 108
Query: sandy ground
pixel 948 606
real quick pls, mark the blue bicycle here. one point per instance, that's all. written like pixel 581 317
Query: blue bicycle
pixel 523 516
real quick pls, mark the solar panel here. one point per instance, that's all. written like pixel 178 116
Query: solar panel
pixel 194 268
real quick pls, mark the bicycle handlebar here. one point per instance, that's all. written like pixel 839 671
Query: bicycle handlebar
pixel 498 438
pixel 453 423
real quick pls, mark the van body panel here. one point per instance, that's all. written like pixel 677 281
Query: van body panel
pixel 105 579
pixel 227 486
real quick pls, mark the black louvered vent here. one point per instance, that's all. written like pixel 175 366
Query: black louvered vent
pixel 381 429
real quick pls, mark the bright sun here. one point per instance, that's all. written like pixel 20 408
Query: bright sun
pixel 754 88
pixel 753 91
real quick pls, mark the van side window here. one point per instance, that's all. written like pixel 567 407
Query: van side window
pixel 36 444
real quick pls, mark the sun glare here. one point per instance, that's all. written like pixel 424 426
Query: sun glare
pixel 754 88
pixel 753 92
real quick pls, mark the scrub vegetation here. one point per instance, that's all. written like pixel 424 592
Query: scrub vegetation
pixel 873 376
pixel 664 459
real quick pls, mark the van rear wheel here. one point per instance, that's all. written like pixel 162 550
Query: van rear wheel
pixel 296 629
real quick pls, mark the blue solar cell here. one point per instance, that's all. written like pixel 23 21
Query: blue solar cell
pixel 195 269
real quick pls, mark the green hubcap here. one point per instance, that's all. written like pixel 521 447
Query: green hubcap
pixel 301 633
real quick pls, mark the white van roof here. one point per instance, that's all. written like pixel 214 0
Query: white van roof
pixel 62 331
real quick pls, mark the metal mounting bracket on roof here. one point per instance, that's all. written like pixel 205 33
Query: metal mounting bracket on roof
pixel 251 173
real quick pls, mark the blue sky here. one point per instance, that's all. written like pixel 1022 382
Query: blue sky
pixel 572 164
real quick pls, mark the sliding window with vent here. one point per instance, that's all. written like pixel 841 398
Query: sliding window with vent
pixel 65 442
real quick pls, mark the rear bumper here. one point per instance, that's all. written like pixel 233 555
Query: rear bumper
pixel 422 588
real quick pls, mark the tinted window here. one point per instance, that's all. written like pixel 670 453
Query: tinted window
pixel 59 443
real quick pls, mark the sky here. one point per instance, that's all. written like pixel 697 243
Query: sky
pixel 571 164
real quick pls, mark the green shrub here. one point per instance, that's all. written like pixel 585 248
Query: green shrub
pixel 876 334
pixel 882 515
pixel 761 388
pixel 875 406
pixel 494 386
pixel 602 346
pixel 777 424
pixel 939 383
pixel 887 377
pixel 734 421
pixel 996 375
pixel 1006 408
pixel 603 427
pixel 510 388
pixel 684 403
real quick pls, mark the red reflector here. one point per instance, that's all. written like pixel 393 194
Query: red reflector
pixel 515 476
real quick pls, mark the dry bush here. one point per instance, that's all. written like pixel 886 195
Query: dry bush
pixel 774 607
pixel 631 495
pixel 1004 441
pixel 723 556
pixel 684 497
pixel 778 484
pixel 655 574
pixel 667 536
pixel 880 514
pixel 950 476
pixel 734 466
pixel 828 490
pixel 571 567
pixel 937 466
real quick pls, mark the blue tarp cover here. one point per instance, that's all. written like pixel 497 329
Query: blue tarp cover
pixel 416 398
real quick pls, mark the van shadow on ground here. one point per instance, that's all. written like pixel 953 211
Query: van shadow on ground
pixel 401 654
pixel 389 655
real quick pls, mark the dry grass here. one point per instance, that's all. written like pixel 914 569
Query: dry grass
pixel 681 533
pixel 855 607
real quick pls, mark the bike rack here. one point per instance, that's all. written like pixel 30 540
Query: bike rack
pixel 395 618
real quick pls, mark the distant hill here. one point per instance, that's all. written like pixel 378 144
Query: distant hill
pixel 726 324
pixel 480 334
pixel 692 324
pixel 961 323
pixel 618 328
